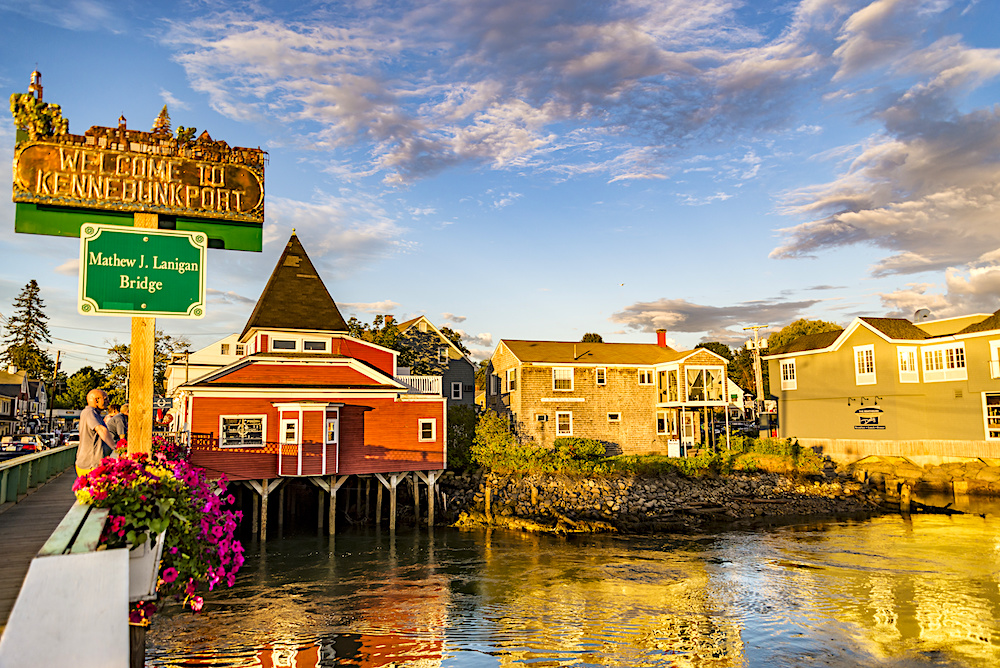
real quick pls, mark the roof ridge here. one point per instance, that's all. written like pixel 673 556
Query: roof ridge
pixel 295 296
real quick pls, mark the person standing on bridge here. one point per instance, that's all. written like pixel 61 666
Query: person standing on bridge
pixel 116 421
pixel 95 439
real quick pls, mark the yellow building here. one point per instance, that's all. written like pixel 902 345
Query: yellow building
pixel 886 386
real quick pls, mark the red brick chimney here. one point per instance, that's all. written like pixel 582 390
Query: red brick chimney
pixel 661 338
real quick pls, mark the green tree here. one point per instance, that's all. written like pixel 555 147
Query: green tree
pixel 481 369
pixel 800 327
pixel 27 330
pixel 592 337
pixel 717 348
pixel 461 435
pixel 455 338
pixel 119 354
pixel 77 387
pixel 380 332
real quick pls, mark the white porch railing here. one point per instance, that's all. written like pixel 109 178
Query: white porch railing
pixel 422 384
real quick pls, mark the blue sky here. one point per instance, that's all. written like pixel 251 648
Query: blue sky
pixel 539 169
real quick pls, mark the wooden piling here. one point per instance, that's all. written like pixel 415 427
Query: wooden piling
pixel 263 508
pixel 378 506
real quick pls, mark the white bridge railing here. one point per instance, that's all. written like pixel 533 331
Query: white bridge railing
pixel 422 384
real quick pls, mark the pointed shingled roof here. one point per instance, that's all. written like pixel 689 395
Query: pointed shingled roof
pixel 295 297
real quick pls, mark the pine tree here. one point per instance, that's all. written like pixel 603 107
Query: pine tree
pixel 27 330
pixel 162 123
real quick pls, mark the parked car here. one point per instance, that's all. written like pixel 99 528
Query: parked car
pixel 72 438
pixel 24 443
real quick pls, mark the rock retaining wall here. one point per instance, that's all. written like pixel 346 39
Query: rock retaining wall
pixel 965 476
pixel 641 504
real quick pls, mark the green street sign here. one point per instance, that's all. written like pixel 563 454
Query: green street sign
pixel 142 272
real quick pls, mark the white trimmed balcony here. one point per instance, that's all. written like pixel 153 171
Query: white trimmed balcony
pixel 422 384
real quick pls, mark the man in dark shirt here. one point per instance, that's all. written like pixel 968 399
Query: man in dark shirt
pixel 116 424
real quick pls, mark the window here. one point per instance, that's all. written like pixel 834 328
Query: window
pixel 564 423
pixel 908 372
pixel 994 359
pixel 456 390
pixel 864 365
pixel 282 344
pixel 991 415
pixel 332 427
pixel 242 431
pixel 673 393
pixel 614 417
pixel 314 346
pixel 225 348
pixel 705 384
pixel 601 376
pixel 944 362
pixel 788 381
pixel 562 378
pixel 661 422
pixel 443 354
pixel 289 431
pixel 645 376
pixel 428 430
pixel 511 379
pixel 240 348
pixel 494 384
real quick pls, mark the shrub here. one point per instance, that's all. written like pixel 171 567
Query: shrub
pixel 462 422
pixel 497 448
pixel 586 449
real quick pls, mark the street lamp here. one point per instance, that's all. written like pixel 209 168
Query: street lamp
pixel 756 346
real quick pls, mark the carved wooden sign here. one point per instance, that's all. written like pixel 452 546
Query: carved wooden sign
pixel 154 178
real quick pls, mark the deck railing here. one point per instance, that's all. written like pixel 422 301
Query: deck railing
pixel 422 384
pixel 19 474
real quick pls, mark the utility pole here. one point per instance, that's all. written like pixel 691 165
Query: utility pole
pixel 756 346
pixel 52 389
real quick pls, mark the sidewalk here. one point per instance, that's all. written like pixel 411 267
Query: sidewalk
pixel 24 528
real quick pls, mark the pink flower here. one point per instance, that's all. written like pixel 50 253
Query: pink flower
pixel 196 603
pixel 169 574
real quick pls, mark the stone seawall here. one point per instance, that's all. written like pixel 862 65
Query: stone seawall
pixel 979 477
pixel 632 504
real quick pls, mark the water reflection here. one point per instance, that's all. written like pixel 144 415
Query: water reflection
pixel 922 591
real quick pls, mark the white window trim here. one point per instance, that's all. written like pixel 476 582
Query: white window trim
pixel 571 378
pixel 864 377
pixel 986 421
pixel 456 385
pixel 912 353
pixel 648 373
pixel 617 417
pixel 601 375
pixel 684 390
pixel 263 425
pixel 284 429
pixel 442 354
pixel 299 341
pixel 512 376
pixel 327 419
pixel 994 359
pixel 420 430
pixel 944 374
pixel 564 433
pixel 240 349
pixel 789 381
pixel 656 423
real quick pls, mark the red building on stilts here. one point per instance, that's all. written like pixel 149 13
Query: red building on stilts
pixel 306 400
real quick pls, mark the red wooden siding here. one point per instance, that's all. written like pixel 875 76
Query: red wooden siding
pixel 376 436
pixel 261 373
pixel 362 350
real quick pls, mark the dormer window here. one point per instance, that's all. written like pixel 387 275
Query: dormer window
pixel 282 344
pixel 314 346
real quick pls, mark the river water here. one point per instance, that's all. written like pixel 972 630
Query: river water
pixel 888 591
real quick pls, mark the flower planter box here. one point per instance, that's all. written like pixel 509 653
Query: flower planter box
pixel 144 569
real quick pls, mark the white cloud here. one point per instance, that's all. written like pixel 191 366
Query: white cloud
pixel 680 315
pixel 69 267
pixel 386 306
pixel 451 317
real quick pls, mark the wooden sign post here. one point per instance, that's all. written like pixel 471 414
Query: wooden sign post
pixel 140 370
